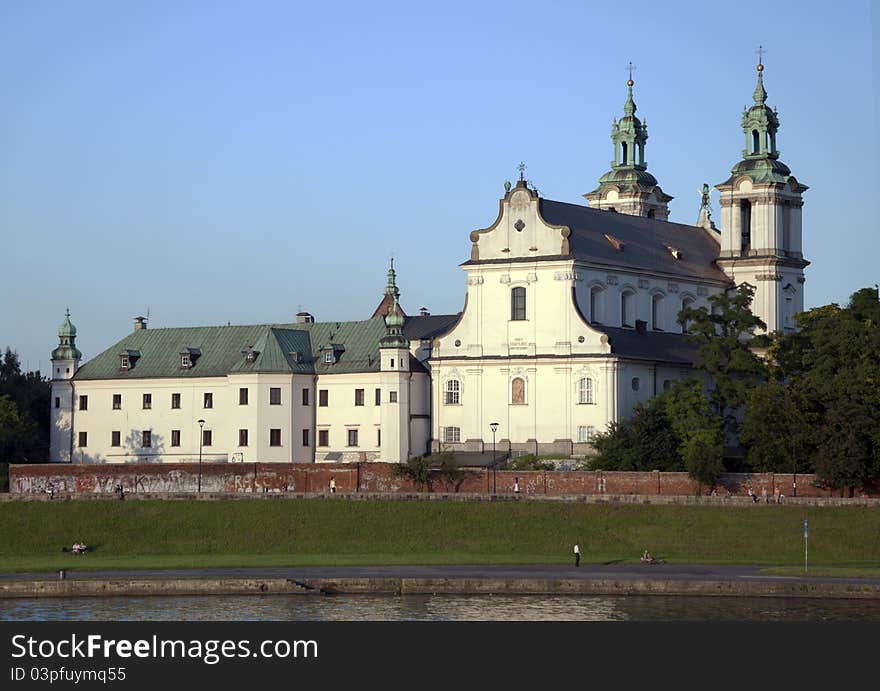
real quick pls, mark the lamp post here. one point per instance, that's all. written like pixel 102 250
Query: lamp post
pixel 201 439
pixel 494 428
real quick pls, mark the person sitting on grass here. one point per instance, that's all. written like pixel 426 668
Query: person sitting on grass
pixel 647 558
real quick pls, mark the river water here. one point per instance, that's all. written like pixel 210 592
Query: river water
pixel 436 608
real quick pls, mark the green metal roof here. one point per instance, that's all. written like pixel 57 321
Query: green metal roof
pixel 278 348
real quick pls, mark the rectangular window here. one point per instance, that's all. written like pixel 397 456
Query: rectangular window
pixel 305 437
pixel 207 437
pixel 146 439
pixel 117 401
pixel 242 437
pixel 175 400
pixel 115 439
pixel 275 396
pixel 57 402
pixel 83 439
pixel 328 357
pixel 352 437
pixel 243 396
pixel 148 401
pixel 305 396
pixel 83 403
pixel 452 434
pixel 322 398
pixel 209 400
pixel 175 437
pixel 379 438
pixel 185 360
pixel 378 396
pixel 323 437
pixel 274 437
pixel 358 396
pixel 392 396
pixel 518 304
pixel 586 433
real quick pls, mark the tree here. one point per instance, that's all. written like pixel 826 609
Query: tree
pixel 645 441
pixel 832 368
pixel 30 394
pixel 18 434
pixel 776 427
pixel 416 469
pixel 722 337
pixel 698 428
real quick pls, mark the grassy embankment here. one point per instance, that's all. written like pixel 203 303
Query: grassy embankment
pixel 297 532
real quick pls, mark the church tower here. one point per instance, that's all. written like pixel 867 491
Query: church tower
pixel 761 205
pixel 65 362
pixel 628 187
pixel 394 376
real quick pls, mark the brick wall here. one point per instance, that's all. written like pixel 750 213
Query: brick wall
pixel 380 478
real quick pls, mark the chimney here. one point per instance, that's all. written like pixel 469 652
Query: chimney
pixel 641 326
pixel 304 318
pixel 424 312
pixel 140 323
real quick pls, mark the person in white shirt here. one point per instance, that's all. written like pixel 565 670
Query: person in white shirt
pixel 577 555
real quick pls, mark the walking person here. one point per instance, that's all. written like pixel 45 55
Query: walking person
pixel 516 486
pixel 577 555
pixel 332 485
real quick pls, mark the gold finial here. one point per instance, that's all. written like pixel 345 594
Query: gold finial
pixel 760 58
pixel 630 81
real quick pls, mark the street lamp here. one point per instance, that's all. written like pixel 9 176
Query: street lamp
pixel 201 439
pixel 494 428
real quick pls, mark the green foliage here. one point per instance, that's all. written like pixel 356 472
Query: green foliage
pixel 4 477
pixel 644 441
pixel 775 420
pixel 698 429
pixel 723 337
pixel 451 474
pixel 832 374
pixel 24 417
pixel 417 469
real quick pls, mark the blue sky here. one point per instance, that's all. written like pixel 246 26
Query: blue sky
pixel 217 162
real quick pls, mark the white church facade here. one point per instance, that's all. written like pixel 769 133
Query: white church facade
pixel 569 321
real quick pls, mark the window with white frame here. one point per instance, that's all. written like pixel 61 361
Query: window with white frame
pixel 518 304
pixel 453 392
pixel 627 308
pixel 452 434
pixel 657 312
pixel 585 391
pixel 595 304
pixel 586 433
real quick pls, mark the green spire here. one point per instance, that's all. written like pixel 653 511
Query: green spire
pixel 395 319
pixel 760 123
pixel 391 288
pixel 66 349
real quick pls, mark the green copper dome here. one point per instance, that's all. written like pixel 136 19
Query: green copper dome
pixel 66 349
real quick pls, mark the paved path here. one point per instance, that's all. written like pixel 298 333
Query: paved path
pixel 586 571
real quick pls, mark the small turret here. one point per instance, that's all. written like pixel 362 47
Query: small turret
pixel 65 357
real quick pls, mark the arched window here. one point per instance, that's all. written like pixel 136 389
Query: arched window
pixel 756 142
pixel 518 391
pixel 745 214
pixel 518 304
pixel 657 312
pixel 585 391
pixel 636 384
pixel 686 303
pixel 595 305
pixel 627 308
pixel 650 213
pixel 623 161
pixel 453 392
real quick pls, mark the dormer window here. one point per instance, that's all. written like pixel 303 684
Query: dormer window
pixel 328 357
pixel 332 352
pixel 250 355
pixel 188 357
pixel 127 359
